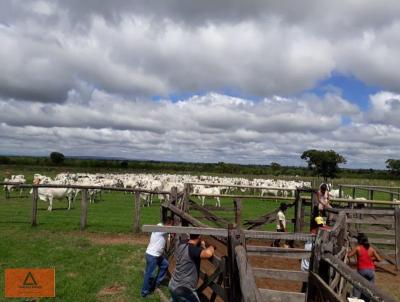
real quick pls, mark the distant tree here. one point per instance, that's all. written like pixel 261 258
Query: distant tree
pixel 124 164
pixel 323 163
pixel 275 166
pixel 393 165
pixel 57 158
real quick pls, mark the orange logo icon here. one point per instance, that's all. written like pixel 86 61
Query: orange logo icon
pixel 22 283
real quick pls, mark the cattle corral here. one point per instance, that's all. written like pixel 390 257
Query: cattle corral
pixel 251 211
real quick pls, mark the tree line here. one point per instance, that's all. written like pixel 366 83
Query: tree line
pixel 322 163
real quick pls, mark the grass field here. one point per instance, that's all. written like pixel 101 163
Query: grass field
pixel 103 263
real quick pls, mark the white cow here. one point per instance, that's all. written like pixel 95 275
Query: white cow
pixel 49 194
pixel 20 179
pixel 208 191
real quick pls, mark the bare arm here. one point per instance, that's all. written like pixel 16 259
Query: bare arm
pixel 352 253
pixel 207 253
pixel 376 256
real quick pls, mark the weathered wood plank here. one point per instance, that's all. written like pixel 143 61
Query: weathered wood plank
pixel 269 295
pixel 248 285
pixel 185 216
pixel 275 235
pixel 280 274
pixel 371 221
pixel 277 252
pixel 84 209
pixel 186 230
pixel 321 286
pixel 222 222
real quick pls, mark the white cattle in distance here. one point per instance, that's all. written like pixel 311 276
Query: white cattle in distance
pixel 20 179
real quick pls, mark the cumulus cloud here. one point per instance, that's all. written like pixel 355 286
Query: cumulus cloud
pixel 211 127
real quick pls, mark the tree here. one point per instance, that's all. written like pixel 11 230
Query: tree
pixel 124 164
pixel 393 165
pixel 57 158
pixel 323 163
pixel 275 166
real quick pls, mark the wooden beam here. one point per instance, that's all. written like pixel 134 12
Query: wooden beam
pixel 248 287
pixel 370 221
pixel 277 235
pixel 277 252
pixel 281 296
pixel 272 198
pixel 324 288
pixel 372 211
pixel 186 230
pixel 184 215
pixel 222 222
pixel 280 274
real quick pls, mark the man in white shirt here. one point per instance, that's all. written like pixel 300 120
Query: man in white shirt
pixel 155 257
pixel 280 222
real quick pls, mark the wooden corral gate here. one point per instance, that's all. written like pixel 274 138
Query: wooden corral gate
pixel 230 275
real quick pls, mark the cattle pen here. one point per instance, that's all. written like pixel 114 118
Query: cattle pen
pixel 233 275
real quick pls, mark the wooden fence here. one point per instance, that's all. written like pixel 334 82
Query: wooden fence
pixel 85 200
pixel 391 191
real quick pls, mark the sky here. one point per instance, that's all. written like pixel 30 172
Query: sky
pixel 249 82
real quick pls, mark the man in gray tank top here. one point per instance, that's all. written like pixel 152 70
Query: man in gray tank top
pixel 188 254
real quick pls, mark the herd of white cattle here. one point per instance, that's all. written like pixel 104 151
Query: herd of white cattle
pixel 152 182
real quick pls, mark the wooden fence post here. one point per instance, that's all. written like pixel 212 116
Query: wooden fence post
pixel 6 192
pixel 238 211
pixel 298 208
pixel 231 281
pixel 397 234
pixel 35 195
pixel 136 220
pixel 340 191
pixel 370 194
pixel 84 209
pixel 353 193
pixel 186 197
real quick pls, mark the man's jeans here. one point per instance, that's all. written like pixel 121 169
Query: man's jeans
pixel 151 264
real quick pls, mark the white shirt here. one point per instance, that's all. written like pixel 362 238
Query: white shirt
pixel 280 216
pixel 305 262
pixel 157 243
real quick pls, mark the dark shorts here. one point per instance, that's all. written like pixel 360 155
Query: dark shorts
pixel 184 294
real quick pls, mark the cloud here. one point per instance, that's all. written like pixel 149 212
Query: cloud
pixel 80 75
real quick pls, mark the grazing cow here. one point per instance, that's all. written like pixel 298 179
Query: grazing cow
pixel 49 194
pixel 208 191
